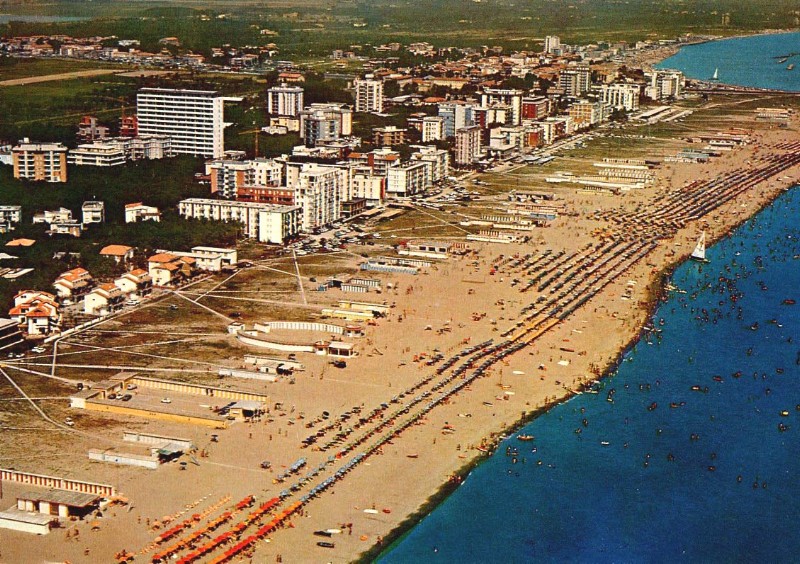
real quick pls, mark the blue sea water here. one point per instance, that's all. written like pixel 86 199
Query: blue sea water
pixel 743 61
pixel 712 479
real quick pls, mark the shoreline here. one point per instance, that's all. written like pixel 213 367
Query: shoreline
pixel 656 291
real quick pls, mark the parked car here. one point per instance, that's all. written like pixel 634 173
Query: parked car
pixel 166 400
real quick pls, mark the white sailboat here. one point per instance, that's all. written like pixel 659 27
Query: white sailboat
pixel 716 74
pixel 699 252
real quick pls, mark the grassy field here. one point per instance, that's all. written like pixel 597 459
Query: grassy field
pixel 307 28
pixel 11 68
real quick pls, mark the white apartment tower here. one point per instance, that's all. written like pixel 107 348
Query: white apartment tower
pixel 508 98
pixel 663 84
pixel 285 100
pixel 621 96
pixel 319 190
pixel 575 80
pixel 552 45
pixel 192 118
pixel 432 128
pixel 368 94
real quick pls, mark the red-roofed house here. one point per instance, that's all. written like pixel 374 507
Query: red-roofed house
pixel 136 282
pixel 36 312
pixel 120 253
pixel 73 283
pixel 104 299
pixel 166 269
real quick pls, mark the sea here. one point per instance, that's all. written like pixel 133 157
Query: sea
pixel 759 60
pixel 690 450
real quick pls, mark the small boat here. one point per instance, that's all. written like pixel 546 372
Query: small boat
pixel 605 443
pixel 334 531
pixel 371 511
pixel 324 544
pixel 323 533
pixel 699 252
pixel 790 67
pixel 525 437
pixel 386 510
pixel 789 302
pixel 412 455
pixel 715 76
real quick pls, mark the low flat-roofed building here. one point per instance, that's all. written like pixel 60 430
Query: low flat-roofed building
pixel 61 503
pixel 25 522
pixel 428 249
pixel 246 409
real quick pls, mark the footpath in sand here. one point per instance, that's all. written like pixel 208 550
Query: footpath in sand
pixel 590 279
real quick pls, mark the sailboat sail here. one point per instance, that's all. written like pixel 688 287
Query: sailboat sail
pixel 699 252
pixel 716 74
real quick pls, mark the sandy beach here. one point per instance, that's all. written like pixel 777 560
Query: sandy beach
pixel 418 432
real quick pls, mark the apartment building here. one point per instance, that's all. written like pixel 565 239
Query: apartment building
pixel 535 107
pixel 407 180
pixel 368 94
pixel 194 119
pixel 284 100
pixel 468 145
pixel 456 115
pixel 97 154
pixel 438 159
pixel 388 136
pixel 508 98
pixel 585 113
pixel 319 191
pixel 371 187
pixel 432 129
pixel 45 162
pixel 575 80
pixel 552 45
pixel 621 96
pixel 664 84
pixel 230 178
pixel 266 223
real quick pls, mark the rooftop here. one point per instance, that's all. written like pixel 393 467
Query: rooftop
pixel 63 497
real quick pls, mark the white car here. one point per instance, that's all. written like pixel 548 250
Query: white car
pixel 166 400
